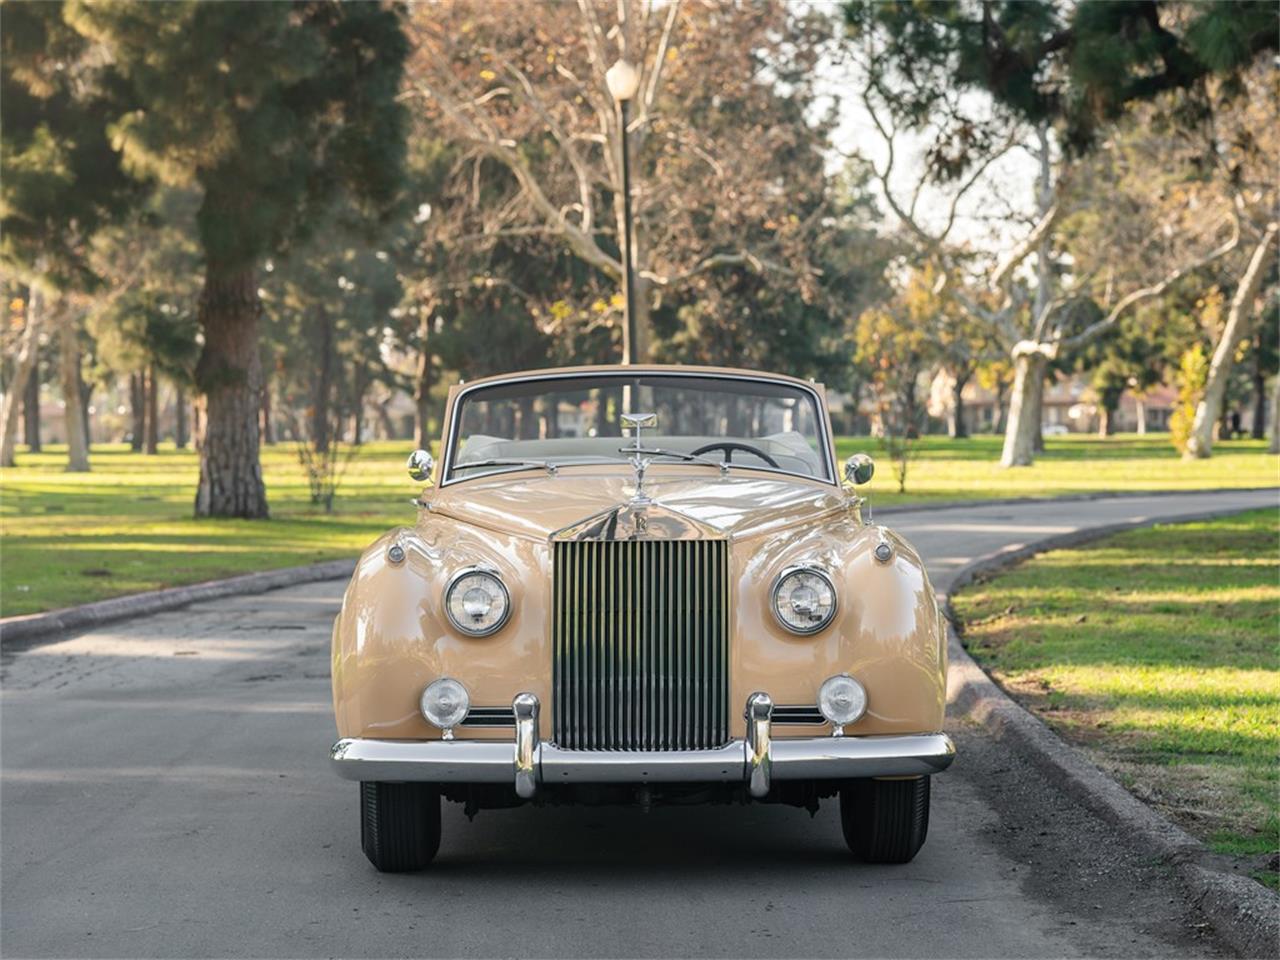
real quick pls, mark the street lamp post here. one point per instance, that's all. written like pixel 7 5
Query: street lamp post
pixel 623 80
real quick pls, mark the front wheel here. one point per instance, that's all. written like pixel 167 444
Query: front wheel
pixel 399 825
pixel 885 821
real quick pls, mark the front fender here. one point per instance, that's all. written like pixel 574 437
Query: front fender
pixel 887 632
pixel 392 638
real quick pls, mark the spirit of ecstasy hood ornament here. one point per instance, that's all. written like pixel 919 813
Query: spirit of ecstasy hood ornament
pixel 637 422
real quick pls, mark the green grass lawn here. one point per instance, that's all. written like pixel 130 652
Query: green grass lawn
pixel 945 469
pixel 1158 651
pixel 127 526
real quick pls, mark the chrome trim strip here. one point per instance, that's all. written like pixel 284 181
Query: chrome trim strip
pixel 785 715
pixel 436 761
pixel 525 707
pixel 717 764
pixel 759 760
pixel 491 761
pixel 828 452
pixel 831 758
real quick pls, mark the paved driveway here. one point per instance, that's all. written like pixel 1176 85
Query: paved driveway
pixel 166 793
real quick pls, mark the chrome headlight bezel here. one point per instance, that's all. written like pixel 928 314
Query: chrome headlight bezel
pixel 489 574
pixel 782 578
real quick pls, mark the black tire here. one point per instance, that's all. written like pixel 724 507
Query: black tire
pixel 399 825
pixel 885 821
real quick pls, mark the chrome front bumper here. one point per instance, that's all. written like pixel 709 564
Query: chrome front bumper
pixel 528 763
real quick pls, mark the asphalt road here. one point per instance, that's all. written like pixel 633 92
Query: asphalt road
pixel 164 791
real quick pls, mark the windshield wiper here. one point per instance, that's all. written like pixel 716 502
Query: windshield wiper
pixel 722 465
pixel 546 465
pixel 551 466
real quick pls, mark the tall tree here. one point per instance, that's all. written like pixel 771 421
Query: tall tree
pixel 1072 68
pixel 62 181
pixel 725 150
pixel 268 109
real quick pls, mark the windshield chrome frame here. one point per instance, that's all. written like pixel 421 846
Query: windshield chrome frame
pixel 824 422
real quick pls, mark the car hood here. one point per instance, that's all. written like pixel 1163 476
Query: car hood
pixel 735 506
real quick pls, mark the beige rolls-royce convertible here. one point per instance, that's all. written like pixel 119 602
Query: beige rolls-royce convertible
pixel 639 585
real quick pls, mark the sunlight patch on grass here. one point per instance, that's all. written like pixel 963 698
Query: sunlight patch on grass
pixel 1158 651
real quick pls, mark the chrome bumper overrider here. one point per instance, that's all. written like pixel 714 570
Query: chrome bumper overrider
pixel 528 763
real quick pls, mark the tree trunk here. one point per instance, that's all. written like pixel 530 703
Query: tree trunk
pixel 197 423
pixel 153 411
pixel 31 410
pixel 384 418
pixel 1023 423
pixel 1274 446
pixel 137 411
pixel 1026 406
pixel 23 366
pixel 86 398
pixel 1000 412
pixel 422 387
pixel 268 432
pixel 1106 421
pixel 69 362
pixel 1200 443
pixel 957 429
pixel 1141 405
pixel 229 374
pixel 360 386
pixel 1258 429
pixel 323 396
pixel 179 417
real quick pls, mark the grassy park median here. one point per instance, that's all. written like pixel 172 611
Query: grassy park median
pixel 1156 652
pixel 71 538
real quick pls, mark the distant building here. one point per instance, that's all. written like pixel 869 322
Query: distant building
pixel 1070 405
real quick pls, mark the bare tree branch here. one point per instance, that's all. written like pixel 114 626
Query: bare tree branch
pixel 584 179
pixel 1026 247
pixel 487 138
pixel 715 261
pixel 1146 293
pixel 659 62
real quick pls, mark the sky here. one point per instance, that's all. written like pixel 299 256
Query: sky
pixel 995 213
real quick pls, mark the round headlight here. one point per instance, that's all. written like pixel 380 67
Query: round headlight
pixel 445 703
pixel 842 699
pixel 476 602
pixel 804 600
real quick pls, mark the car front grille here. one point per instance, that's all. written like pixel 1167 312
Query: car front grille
pixel 640 632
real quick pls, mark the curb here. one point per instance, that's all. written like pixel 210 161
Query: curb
pixel 1244 913
pixel 1066 498
pixel 25 630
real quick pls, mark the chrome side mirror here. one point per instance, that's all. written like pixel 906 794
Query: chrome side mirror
pixel 859 469
pixel 420 466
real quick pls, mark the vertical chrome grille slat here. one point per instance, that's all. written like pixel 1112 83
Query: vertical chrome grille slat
pixel 640 644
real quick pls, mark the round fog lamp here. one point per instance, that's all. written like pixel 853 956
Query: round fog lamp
pixel 445 703
pixel 842 700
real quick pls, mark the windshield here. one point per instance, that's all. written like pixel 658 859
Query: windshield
pixel 577 419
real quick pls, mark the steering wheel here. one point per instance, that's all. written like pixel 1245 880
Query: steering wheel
pixel 728 446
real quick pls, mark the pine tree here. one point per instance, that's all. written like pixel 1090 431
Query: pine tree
pixel 62 180
pixel 1082 64
pixel 269 109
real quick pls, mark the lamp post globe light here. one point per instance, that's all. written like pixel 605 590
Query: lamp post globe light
pixel 623 80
